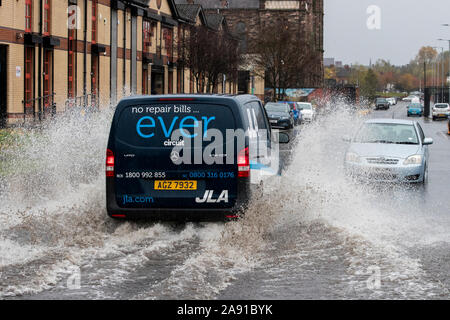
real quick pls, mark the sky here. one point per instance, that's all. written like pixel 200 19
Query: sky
pixel 405 26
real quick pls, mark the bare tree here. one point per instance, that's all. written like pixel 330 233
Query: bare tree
pixel 209 54
pixel 281 57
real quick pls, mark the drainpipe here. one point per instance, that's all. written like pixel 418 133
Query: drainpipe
pixel 124 49
pixel 85 53
pixel 40 63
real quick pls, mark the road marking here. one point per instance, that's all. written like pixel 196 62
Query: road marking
pixel 444 134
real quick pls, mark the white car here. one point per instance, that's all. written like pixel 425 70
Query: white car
pixel 441 110
pixel 410 98
pixel 391 101
pixel 307 110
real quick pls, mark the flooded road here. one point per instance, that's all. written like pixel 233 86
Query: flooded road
pixel 313 234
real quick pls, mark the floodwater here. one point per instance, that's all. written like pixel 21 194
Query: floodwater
pixel 313 234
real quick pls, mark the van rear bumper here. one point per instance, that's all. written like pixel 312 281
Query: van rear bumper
pixel 178 214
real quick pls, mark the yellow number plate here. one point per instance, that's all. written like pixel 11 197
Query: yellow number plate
pixel 175 185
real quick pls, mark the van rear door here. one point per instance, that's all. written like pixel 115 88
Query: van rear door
pixel 148 172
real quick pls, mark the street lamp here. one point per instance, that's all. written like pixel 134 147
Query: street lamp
pixel 440 73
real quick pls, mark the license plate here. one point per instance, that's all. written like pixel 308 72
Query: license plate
pixel 273 121
pixel 175 185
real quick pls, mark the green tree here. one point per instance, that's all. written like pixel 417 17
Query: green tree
pixel 369 85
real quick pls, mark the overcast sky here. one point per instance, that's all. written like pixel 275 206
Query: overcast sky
pixel 406 26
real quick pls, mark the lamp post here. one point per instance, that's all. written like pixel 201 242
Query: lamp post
pixel 448 40
pixel 440 73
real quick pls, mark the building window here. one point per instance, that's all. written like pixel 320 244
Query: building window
pixel 147 30
pixel 241 33
pixel 94 21
pixel 71 72
pixel 29 75
pixel 47 78
pixel 28 15
pixel 94 79
pixel 168 36
pixel 47 17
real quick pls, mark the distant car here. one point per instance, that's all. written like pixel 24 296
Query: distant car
pixel 307 111
pixel 441 110
pixel 382 103
pixel 280 115
pixel 414 109
pixel 294 108
pixel 410 98
pixel 388 150
pixel 393 101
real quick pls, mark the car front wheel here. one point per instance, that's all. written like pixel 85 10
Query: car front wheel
pixel 425 175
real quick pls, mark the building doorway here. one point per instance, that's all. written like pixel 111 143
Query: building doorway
pixel 243 82
pixel 157 83
pixel 3 85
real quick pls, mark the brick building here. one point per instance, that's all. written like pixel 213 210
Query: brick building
pixel 245 16
pixel 57 54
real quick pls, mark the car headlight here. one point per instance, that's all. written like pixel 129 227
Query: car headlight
pixel 352 157
pixel 414 159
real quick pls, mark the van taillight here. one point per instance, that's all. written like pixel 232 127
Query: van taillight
pixel 109 163
pixel 243 163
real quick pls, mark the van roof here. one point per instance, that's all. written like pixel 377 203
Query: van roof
pixel 242 98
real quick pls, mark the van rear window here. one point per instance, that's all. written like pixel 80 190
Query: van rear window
pixel 153 125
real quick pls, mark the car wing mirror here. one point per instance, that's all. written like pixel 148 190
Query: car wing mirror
pixel 427 141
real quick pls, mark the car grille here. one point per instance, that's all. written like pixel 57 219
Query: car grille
pixel 381 160
pixel 381 176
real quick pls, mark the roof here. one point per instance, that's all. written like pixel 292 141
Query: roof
pixel 167 97
pixel 232 4
pixel 188 11
pixel 214 20
pixel 394 121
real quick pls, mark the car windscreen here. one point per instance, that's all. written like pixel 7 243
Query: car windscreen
pixel 153 125
pixel 381 100
pixel 387 133
pixel 443 106
pixel 276 107
pixel 415 105
pixel 305 106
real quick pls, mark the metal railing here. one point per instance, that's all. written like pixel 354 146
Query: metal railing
pixel 86 101
pixel 46 103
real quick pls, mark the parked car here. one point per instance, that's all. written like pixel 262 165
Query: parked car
pixel 415 108
pixel 410 98
pixel 298 119
pixel 392 101
pixel 307 110
pixel 388 150
pixel 382 103
pixel 440 110
pixel 152 166
pixel 280 115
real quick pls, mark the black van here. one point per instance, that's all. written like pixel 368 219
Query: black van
pixel 159 164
